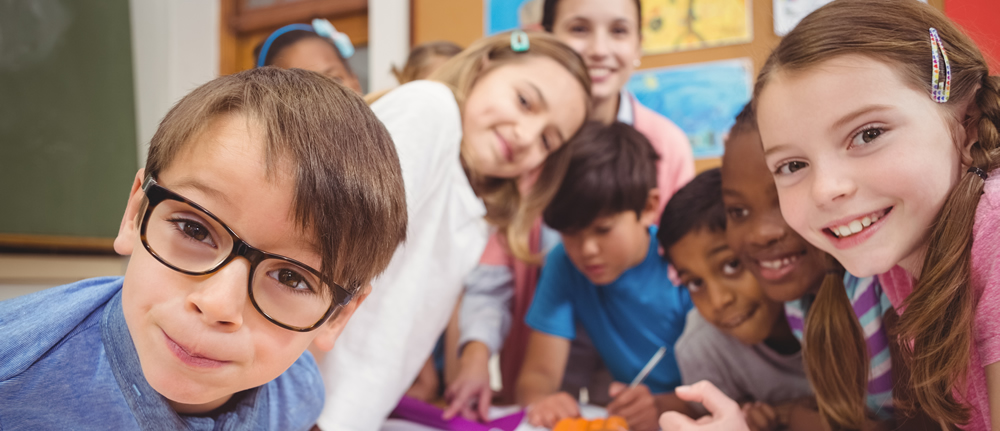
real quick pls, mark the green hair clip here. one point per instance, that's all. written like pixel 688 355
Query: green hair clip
pixel 519 41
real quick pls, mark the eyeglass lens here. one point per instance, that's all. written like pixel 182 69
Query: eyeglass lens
pixel 191 240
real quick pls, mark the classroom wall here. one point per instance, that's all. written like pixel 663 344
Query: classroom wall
pixel 462 22
pixel 23 274
pixel 175 47
pixel 388 40
pixel 981 20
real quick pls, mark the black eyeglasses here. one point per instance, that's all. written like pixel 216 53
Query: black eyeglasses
pixel 189 239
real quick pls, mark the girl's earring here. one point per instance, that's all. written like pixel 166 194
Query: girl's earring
pixel 637 62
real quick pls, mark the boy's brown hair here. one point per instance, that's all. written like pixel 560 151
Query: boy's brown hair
pixel 348 182
pixel 612 170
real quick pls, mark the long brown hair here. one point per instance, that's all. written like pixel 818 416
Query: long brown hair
pixel 938 320
pixel 840 380
pixel 505 207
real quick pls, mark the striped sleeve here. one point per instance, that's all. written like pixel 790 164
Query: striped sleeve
pixel 869 302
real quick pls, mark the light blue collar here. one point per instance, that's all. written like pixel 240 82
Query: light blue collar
pixel 246 411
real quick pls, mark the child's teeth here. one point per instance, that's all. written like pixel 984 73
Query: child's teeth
pixel 855 226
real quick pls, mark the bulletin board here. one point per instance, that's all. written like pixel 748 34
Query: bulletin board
pixel 461 21
pixel 67 124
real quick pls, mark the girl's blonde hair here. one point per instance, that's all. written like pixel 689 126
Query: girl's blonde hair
pixel 420 57
pixel 935 331
pixel 506 209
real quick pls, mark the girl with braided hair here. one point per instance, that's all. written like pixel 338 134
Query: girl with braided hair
pixel 879 122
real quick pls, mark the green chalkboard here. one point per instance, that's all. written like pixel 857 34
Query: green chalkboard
pixel 67 118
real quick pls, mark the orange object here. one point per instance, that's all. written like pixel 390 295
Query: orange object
pixel 613 423
pixel 616 423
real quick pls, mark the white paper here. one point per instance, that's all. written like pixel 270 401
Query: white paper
pixel 788 13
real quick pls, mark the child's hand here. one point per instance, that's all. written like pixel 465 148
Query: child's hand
pixel 471 387
pixel 723 413
pixel 425 387
pixel 636 405
pixel 551 409
pixel 761 417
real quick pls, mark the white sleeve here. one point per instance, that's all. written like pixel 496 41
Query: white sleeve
pixel 426 127
pixel 484 314
pixel 393 332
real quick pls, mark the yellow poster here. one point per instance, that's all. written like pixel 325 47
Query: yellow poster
pixel 678 25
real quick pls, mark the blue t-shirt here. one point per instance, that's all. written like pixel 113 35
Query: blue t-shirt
pixel 628 320
pixel 66 359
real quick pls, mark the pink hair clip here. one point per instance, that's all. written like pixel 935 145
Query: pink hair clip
pixel 940 91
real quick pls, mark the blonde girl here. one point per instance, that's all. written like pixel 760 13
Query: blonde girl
pixel 607 35
pixel 505 106
pixel 880 125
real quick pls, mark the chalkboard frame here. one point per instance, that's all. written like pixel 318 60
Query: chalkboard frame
pixel 27 243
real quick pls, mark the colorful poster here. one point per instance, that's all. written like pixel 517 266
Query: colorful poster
pixel 678 25
pixel 788 13
pixel 503 15
pixel 703 99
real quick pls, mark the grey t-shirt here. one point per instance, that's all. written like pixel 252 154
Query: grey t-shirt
pixel 744 373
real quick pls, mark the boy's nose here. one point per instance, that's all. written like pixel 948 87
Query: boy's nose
pixel 721 297
pixel 220 299
pixel 769 229
pixel 590 247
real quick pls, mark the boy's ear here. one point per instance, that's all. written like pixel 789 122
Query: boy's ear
pixel 327 334
pixel 128 230
pixel 649 212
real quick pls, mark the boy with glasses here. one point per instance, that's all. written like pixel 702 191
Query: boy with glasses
pixel 269 201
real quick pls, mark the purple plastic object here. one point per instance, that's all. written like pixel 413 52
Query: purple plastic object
pixel 422 413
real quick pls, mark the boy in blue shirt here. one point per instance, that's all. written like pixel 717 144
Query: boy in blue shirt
pixel 269 200
pixel 608 276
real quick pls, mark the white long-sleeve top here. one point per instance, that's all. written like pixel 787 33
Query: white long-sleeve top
pixel 393 332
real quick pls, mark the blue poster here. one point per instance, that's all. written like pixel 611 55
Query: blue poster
pixel 703 99
pixel 502 15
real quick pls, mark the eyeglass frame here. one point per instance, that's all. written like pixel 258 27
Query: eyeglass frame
pixel 156 194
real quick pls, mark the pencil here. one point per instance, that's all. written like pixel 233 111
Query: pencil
pixel 649 367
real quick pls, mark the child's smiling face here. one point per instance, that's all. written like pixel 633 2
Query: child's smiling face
pixel 726 295
pixel 199 338
pixel 608 37
pixel 518 113
pixel 785 264
pixel 862 161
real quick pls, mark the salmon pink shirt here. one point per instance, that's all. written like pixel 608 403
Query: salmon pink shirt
pixel 898 284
